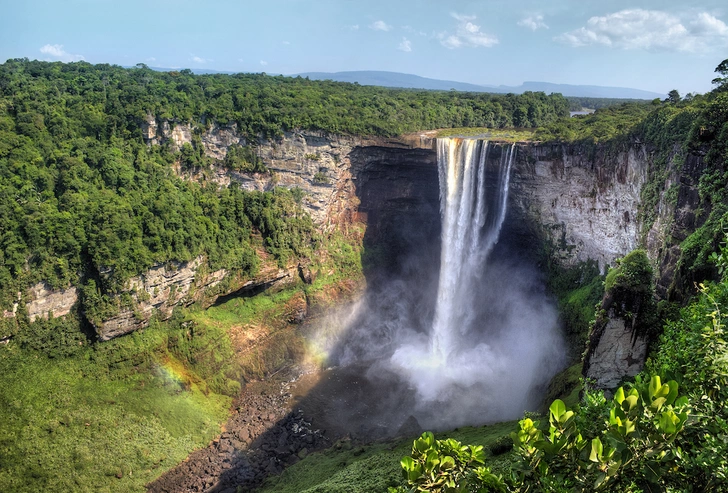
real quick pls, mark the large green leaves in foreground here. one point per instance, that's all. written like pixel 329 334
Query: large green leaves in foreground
pixel 447 466
pixel 635 447
pixel 626 444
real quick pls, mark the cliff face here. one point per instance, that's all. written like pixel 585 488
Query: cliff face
pixel 44 301
pixel 326 167
pixel 166 286
pixel 584 203
pixel 318 163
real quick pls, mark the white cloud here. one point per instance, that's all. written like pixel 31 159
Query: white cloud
pixel 405 45
pixel 354 27
pixel 707 25
pixel 533 22
pixel 380 26
pixel 285 43
pixel 198 59
pixel 450 41
pixel 652 30
pixel 263 63
pixel 467 34
pixel 57 52
pixel 151 59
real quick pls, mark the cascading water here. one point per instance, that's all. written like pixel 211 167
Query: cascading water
pixel 471 223
pixel 483 347
pixel 494 337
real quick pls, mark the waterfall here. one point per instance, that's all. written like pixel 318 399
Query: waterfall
pixel 472 210
pixel 477 342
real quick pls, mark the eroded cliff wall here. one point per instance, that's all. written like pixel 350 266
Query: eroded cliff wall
pixel 326 167
pixel 583 202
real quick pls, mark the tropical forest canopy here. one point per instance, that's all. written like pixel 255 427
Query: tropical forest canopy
pixel 82 191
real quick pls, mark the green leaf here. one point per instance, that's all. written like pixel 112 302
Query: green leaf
pixel 630 403
pixel 654 387
pixel 447 462
pixel 596 450
pixel 682 401
pixel 668 422
pixel 407 463
pixel 629 427
pixel 673 392
pixel 557 408
pixel 477 454
pixel 657 403
pixel 432 460
pixel 414 474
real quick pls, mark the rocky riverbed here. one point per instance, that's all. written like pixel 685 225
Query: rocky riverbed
pixel 264 434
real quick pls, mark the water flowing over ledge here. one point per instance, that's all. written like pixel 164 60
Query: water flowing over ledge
pixel 471 222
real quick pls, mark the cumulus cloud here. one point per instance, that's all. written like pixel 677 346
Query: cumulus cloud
pixel 466 34
pixel 405 45
pixel 263 63
pixel 198 59
pixel 380 26
pixel 651 30
pixel 57 52
pixel 533 22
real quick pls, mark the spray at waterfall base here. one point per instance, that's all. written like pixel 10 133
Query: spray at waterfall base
pixel 473 342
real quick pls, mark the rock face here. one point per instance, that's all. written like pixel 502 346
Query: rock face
pixel 317 162
pixel 324 166
pixel 679 212
pixel 585 205
pixel 583 202
pixel 161 288
pixel 44 301
pixel 619 353
pixel 166 286
pixel 398 191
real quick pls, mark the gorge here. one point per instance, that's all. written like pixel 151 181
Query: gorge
pixel 321 273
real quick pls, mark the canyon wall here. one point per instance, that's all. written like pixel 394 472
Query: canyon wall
pixel 582 202
pixel 326 167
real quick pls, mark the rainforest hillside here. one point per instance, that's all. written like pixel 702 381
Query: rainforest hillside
pixel 82 193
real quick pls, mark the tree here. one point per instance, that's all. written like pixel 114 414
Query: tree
pixel 722 69
pixel 673 97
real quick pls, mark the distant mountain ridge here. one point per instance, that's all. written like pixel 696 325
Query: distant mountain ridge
pixel 410 81
pixel 396 79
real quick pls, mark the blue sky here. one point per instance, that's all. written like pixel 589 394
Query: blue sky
pixel 652 45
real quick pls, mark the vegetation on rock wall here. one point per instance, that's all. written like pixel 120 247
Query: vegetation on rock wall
pixel 629 293
pixel 670 132
pixel 83 197
pixel 577 290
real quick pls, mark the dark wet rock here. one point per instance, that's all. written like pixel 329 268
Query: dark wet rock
pixel 262 437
